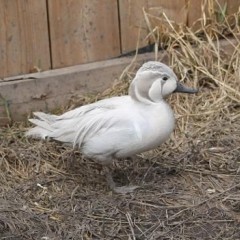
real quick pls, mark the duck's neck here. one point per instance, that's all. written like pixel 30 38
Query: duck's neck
pixel 143 96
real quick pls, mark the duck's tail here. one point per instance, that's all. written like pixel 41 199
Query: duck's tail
pixel 43 124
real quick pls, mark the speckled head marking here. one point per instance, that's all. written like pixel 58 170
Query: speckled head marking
pixel 154 66
pixel 154 81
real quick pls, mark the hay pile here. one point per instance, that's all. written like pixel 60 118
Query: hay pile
pixel 190 185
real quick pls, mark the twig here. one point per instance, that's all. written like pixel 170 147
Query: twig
pixel 130 225
pixel 205 201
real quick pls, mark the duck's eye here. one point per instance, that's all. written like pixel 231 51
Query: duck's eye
pixel 165 78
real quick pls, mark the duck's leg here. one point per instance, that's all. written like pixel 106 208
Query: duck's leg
pixel 124 189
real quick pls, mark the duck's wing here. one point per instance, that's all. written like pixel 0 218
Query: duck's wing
pixel 80 126
pixel 108 136
pixel 109 103
pixel 98 121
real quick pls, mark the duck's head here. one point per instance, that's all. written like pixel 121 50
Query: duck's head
pixel 154 81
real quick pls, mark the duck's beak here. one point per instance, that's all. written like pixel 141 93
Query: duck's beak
pixel 183 89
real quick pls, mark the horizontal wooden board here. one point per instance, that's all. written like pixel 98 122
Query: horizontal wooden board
pixel 50 90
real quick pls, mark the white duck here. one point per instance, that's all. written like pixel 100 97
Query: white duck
pixel 118 127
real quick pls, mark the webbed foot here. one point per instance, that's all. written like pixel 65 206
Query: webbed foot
pixel 112 184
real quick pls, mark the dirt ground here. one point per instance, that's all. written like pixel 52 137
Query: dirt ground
pixel 49 191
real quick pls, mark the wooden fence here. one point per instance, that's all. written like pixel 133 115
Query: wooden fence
pixel 38 35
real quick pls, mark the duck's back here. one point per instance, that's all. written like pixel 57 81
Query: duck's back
pixel 64 127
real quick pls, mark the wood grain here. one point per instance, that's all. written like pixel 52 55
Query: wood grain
pixel 233 6
pixel 175 10
pixel 24 42
pixel 49 90
pixel 195 9
pixel 132 19
pixel 133 28
pixel 83 31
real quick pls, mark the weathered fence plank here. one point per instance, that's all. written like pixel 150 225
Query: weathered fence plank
pixel 83 31
pixel 132 24
pixel 132 18
pixel 24 45
pixel 214 8
pixel 233 6
pixel 78 31
pixel 174 10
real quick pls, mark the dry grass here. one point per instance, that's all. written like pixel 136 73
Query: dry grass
pixel 190 185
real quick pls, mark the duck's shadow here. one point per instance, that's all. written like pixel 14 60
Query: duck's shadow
pixel 131 171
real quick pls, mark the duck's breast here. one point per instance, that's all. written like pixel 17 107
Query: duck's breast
pixel 155 125
pixel 129 130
